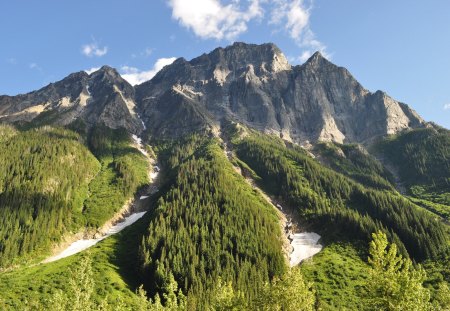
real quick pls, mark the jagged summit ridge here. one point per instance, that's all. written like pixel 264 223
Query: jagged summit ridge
pixel 103 97
pixel 255 85
pixel 248 83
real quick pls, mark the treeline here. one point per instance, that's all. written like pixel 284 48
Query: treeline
pixel 289 292
pixel 330 200
pixel 44 177
pixel 209 224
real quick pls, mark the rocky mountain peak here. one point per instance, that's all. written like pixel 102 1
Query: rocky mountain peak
pixel 255 85
pixel 248 83
pixel 101 97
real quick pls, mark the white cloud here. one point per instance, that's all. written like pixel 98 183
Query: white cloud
pixel 227 19
pixel 135 76
pixel 147 52
pixel 93 49
pixel 93 69
pixel 295 16
pixel 210 19
pixel 447 107
pixel 34 66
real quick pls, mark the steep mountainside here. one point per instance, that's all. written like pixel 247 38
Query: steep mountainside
pixel 251 84
pixel 255 85
pixel 100 98
pixel 254 159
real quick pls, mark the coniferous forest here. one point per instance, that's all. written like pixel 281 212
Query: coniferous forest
pixel 209 240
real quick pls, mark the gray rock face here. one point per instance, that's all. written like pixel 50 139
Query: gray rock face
pixel 255 85
pixel 100 98
pixel 251 84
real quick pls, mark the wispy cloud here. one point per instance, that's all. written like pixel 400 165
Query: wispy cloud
pixel 447 106
pixel 210 19
pixel 136 76
pixel 295 16
pixel 147 52
pixel 34 66
pixel 93 49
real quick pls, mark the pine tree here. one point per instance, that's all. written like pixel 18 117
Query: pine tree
pixel 394 284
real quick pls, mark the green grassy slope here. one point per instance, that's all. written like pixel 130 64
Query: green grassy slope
pixel 339 273
pixel 114 274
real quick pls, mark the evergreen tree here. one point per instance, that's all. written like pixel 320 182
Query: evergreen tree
pixel 394 284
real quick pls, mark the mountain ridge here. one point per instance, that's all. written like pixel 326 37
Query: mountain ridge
pixel 248 83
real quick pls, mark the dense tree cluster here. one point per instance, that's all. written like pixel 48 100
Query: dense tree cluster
pixel 210 224
pixel 423 159
pixel 123 170
pixel 44 177
pixel 394 283
pixel 330 199
pixel 51 183
pixel 356 163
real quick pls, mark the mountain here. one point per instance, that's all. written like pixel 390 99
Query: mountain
pixel 251 84
pixel 256 86
pixel 103 97
pixel 204 168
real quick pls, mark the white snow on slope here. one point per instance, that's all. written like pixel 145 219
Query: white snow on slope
pixel 83 244
pixel 304 246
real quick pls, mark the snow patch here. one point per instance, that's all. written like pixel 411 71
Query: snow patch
pixel 83 244
pixel 304 246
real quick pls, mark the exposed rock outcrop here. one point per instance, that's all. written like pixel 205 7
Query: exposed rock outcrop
pixel 102 97
pixel 255 85
pixel 251 84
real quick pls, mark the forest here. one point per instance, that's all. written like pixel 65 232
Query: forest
pixel 328 199
pixel 61 180
pixel 209 240
pixel 209 225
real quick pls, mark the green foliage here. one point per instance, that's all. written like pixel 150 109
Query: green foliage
pixel 78 295
pixel 423 159
pixel 123 170
pixel 49 179
pixel 44 177
pixel 290 292
pixel 6 132
pixel 394 284
pixel 114 273
pixel 439 209
pixel 354 162
pixel 338 273
pixel 330 200
pixel 210 224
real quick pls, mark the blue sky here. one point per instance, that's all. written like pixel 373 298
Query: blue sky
pixel 401 47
